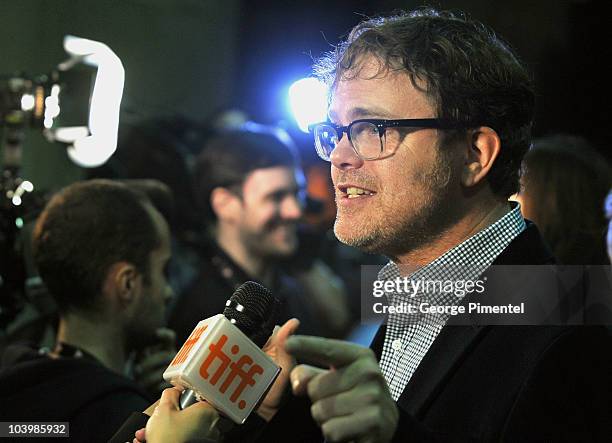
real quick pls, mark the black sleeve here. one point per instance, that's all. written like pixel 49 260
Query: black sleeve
pixel 99 418
pixel 292 422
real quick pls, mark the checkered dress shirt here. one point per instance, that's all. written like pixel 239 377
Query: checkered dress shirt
pixel 409 336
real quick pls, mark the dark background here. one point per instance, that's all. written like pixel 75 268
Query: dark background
pixel 194 58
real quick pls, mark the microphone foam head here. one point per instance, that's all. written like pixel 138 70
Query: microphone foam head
pixel 254 311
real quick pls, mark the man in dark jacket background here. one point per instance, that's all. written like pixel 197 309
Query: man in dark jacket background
pixel 101 249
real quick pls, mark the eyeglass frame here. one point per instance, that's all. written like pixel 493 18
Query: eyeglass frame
pixel 382 125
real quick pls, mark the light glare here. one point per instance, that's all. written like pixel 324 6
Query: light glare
pixel 27 102
pixel 27 186
pixel 308 102
pixel 69 134
pixel 97 147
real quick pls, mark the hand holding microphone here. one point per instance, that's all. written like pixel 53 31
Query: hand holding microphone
pixel 222 363
pixel 169 423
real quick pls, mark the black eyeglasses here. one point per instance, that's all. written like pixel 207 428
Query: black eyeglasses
pixel 367 136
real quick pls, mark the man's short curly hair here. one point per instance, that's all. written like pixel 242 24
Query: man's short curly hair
pixel 472 76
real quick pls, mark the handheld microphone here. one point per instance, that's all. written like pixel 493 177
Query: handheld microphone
pixel 221 361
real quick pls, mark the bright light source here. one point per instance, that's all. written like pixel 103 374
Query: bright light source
pixel 19 222
pixel 16 200
pixel 88 153
pixel 100 141
pixel 308 102
pixel 52 108
pixel 27 186
pixel 69 134
pixel 27 102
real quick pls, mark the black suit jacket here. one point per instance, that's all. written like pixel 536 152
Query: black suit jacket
pixel 496 383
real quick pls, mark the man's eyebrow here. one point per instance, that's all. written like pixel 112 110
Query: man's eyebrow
pixel 363 112
pixel 357 113
pixel 284 190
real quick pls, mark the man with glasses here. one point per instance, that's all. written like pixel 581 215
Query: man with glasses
pixel 430 114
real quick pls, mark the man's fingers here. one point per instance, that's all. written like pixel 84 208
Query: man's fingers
pixel 355 376
pixel 324 351
pixel 342 404
pixel 206 416
pixel 170 399
pixel 350 427
pixel 300 377
pixel 288 329
pixel 166 336
pixel 280 333
pixel 140 435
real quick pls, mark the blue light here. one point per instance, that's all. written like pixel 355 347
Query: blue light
pixel 308 102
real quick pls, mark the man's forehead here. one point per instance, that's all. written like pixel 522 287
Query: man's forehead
pixel 377 94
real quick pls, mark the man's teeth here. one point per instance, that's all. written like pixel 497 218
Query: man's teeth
pixel 357 192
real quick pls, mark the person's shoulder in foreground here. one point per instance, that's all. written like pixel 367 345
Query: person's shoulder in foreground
pixel 36 387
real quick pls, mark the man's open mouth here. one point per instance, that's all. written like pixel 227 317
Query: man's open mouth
pixel 350 191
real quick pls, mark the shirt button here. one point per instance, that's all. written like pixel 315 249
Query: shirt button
pixel 396 345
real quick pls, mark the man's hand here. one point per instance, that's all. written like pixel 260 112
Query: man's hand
pixel 152 361
pixel 275 349
pixel 350 399
pixel 170 423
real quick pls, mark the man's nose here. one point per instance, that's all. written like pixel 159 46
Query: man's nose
pixel 291 208
pixel 344 156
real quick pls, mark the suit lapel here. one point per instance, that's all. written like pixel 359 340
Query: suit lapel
pixel 379 340
pixel 455 342
pixel 444 355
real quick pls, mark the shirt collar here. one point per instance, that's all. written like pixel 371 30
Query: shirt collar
pixel 477 252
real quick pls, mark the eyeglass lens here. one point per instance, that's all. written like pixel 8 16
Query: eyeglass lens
pixel 364 136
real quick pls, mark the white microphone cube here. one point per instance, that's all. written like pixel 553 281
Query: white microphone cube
pixel 224 367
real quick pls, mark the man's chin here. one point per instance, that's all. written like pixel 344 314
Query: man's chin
pixel 357 238
pixel 281 250
pixel 286 251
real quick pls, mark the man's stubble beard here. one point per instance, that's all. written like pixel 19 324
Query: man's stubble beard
pixel 397 234
pixel 141 333
pixel 258 244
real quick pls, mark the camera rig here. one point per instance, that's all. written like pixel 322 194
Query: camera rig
pixel 34 103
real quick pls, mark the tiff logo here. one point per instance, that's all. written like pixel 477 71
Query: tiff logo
pixel 236 369
pixel 188 346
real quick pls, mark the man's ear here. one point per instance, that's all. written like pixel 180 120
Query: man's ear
pixel 123 282
pixel 225 204
pixel 484 148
